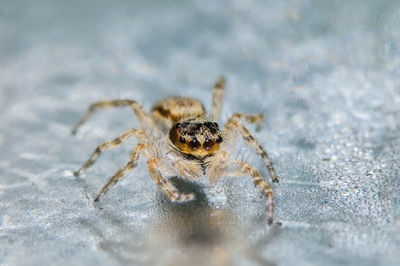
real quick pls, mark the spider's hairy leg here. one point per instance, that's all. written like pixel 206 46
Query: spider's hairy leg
pixel 235 125
pixel 165 185
pixel 218 92
pixel 256 118
pixel 239 168
pixel 216 166
pixel 139 134
pixel 142 116
pixel 140 148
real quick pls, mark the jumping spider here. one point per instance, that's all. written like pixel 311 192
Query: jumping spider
pixel 178 139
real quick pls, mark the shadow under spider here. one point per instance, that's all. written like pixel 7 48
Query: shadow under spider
pixel 205 234
pixel 192 222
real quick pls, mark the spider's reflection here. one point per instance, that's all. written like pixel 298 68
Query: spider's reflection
pixel 196 233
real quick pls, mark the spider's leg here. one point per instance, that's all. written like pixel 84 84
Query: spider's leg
pixel 124 170
pixel 256 118
pixel 218 92
pixel 239 168
pixel 142 116
pixel 165 185
pixel 139 134
pixel 234 125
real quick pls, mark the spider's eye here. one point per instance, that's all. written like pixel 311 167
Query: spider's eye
pixel 194 144
pixel 208 144
pixel 177 125
pixel 219 139
pixel 182 140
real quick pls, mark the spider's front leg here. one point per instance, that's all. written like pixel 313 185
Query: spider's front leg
pixel 156 167
pixel 239 168
pixel 139 149
pixel 139 134
pixel 221 165
pixel 233 125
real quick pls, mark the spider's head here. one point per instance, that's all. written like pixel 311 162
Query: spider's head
pixel 198 139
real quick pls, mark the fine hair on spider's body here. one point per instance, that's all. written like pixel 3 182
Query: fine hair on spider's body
pixel 178 139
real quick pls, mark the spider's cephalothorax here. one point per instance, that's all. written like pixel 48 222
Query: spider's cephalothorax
pixel 179 139
pixel 195 139
pixel 171 110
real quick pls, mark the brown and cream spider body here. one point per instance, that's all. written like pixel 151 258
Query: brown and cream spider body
pixel 178 139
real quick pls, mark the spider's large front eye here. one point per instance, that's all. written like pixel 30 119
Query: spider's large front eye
pixel 194 144
pixel 219 140
pixel 208 144
pixel 182 140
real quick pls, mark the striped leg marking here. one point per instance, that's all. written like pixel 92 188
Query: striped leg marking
pixel 137 133
pixel 218 92
pixel 143 118
pixel 233 124
pixel 243 168
pixel 257 119
pixel 165 185
pixel 124 170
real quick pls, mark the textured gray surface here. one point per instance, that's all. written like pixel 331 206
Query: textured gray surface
pixel 324 73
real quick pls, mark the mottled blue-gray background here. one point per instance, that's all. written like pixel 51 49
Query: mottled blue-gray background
pixel 326 75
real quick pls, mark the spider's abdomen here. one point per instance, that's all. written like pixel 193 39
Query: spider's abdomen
pixel 171 110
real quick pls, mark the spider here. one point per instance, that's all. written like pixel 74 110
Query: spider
pixel 178 139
